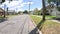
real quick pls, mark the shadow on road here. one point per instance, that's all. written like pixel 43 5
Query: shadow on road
pixel 39 26
pixel 3 19
pixel 57 19
pixel 34 31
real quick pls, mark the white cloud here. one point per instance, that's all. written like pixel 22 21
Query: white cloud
pixel 29 2
pixel 39 8
pixel 15 4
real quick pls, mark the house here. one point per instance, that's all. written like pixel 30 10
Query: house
pixel 48 9
pixel 1 11
pixel 11 12
pixel 52 10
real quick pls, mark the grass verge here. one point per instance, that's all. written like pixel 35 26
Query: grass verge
pixel 51 17
pixel 10 16
pixel 1 17
pixel 35 19
pixel 48 27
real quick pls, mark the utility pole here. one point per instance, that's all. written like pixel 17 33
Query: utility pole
pixel 29 6
pixel 7 11
pixel 44 9
pixel 4 9
pixel 2 1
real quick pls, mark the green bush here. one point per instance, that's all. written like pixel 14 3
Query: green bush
pixel 58 8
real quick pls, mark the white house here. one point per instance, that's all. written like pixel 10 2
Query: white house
pixel 11 12
pixel 54 12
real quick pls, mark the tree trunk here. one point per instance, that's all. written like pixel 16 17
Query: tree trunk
pixel 4 14
pixel 44 9
pixel 4 10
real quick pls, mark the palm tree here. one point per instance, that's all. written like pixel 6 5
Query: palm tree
pixel 44 9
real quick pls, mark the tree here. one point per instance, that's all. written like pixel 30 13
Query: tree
pixel 20 12
pixel 39 12
pixel 49 1
pixel 58 9
pixel 36 11
pixel 44 9
pixel 25 12
pixel 3 1
pixel 57 2
pixel 4 11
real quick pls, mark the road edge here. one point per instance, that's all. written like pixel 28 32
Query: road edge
pixel 35 25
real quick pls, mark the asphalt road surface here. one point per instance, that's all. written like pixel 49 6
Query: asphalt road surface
pixel 20 24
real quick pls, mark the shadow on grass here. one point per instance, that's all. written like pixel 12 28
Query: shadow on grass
pixel 3 19
pixel 57 19
pixel 35 30
pixel 39 26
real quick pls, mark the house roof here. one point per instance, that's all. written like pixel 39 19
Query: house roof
pixel 1 10
pixel 49 7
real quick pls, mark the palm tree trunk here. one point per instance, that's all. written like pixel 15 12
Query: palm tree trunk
pixel 44 9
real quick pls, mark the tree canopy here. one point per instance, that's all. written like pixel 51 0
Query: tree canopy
pixel 55 1
pixel 4 0
pixel 26 12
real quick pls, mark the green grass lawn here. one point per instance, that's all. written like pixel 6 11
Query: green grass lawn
pixel 8 16
pixel 48 27
pixel 51 17
pixel 35 19
pixel 1 17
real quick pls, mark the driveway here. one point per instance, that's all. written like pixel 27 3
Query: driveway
pixel 20 24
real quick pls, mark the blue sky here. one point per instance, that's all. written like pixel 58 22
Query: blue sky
pixel 22 4
pixel 36 4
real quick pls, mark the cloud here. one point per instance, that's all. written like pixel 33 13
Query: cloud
pixel 39 8
pixel 15 4
pixel 12 4
pixel 29 2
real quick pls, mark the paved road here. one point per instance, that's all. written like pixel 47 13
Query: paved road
pixel 21 24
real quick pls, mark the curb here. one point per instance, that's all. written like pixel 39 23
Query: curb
pixel 37 28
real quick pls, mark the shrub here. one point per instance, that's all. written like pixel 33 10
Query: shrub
pixel 58 8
